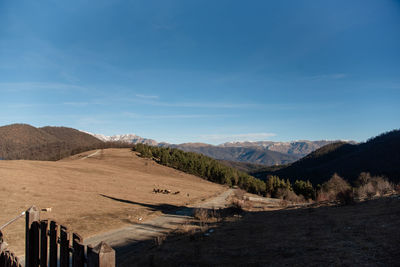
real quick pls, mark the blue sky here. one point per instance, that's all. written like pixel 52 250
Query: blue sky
pixel 203 71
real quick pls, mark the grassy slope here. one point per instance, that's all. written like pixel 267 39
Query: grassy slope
pixel 359 235
pixel 73 188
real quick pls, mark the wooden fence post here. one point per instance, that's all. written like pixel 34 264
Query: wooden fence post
pixel 100 256
pixel 78 257
pixel 53 244
pixel 32 237
pixel 43 243
pixel 64 246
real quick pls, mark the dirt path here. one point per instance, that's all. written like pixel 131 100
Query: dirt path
pixel 125 239
pixel 91 155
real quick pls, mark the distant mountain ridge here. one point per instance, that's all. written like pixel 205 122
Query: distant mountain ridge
pixel 261 152
pixel 379 156
pixel 127 138
pixel 300 148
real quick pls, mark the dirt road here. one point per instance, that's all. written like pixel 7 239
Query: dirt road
pixel 125 239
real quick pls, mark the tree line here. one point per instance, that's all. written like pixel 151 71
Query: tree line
pixel 214 171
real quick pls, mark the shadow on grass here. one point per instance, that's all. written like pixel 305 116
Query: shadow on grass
pixel 164 208
pixel 362 234
pixel 204 217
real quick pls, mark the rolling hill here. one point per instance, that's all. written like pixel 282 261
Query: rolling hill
pixel 379 156
pixel 23 141
pixel 108 190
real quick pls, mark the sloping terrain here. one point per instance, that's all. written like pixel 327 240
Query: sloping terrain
pixel 109 189
pixel 379 156
pixel 22 141
pixel 243 166
pixel 364 234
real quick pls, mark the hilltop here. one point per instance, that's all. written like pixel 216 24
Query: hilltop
pixel 23 141
pixel 378 156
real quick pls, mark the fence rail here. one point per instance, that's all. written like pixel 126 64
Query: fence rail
pixel 48 243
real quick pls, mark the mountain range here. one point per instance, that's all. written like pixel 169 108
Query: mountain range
pixel 261 153
pixel 379 156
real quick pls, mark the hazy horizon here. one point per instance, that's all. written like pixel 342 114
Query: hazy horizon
pixel 206 71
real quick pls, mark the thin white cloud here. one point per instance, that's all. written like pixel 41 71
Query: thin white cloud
pixel 147 96
pixel 173 116
pixel 29 86
pixel 76 104
pixel 216 105
pixel 331 76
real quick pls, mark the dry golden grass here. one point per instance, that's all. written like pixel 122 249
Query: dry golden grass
pixel 75 190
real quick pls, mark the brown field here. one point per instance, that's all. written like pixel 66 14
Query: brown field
pixel 363 234
pixel 76 189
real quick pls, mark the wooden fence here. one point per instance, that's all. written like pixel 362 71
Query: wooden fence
pixel 48 243
pixel 7 258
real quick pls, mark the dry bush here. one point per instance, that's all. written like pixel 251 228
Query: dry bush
pixel 336 189
pixel 369 187
pixel 201 214
pixel 346 197
pixel 159 240
pixel 206 215
pixel 288 195
pixel 186 229
pixel 397 188
pixel 239 194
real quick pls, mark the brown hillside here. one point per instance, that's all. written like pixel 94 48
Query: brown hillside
pixel 22 141
pixel 83 192
pixel 16 139
pixel 72 137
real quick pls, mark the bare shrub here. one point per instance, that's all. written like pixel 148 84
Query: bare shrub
pixel 237 206
pixel 336 189
pixel 373 186
pixel 239 194
pixel 366 191
pixel 397 188
pixel 289 195
pixel 159 240
pixel 383 186
pixel 201 214
pixel 345 197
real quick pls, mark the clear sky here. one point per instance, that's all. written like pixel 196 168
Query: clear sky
pixel 203 71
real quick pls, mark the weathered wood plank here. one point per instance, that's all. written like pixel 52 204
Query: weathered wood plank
pixel 32 215
pixel 43 243
pixel 101 256
pixel 34 245
pixel 78 257
pixel 2 259
pixel 53 244
pixel 64 246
